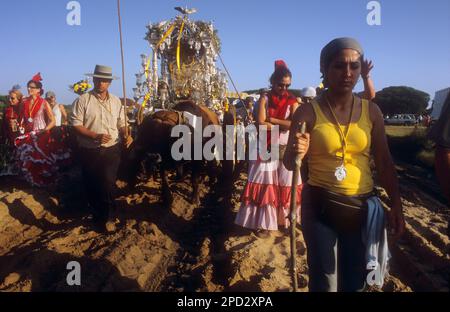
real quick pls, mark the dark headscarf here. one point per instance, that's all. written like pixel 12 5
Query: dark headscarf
pixel 333 47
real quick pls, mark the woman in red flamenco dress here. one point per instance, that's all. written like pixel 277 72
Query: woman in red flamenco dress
pixel 40 150
pixel 265 201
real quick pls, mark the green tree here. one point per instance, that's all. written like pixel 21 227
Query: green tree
pixel 402 100
pixel 254 91
pixel 3 104
pixel 3 99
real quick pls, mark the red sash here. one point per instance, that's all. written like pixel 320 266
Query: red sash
pixel 278 107
pixel 30 111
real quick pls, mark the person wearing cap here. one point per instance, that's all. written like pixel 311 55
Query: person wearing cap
pixel 343 133
pixel 308 94
pixel 58 109
pixel 98 120
pixel 265 202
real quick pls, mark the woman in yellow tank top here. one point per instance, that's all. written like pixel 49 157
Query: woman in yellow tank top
pixel 343 133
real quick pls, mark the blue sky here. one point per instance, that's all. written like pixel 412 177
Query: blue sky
pixel 411 47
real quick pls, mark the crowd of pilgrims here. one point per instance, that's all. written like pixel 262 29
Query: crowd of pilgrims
pixel 344 132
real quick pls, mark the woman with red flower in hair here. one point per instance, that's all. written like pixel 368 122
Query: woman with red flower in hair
pixel 39 152
pixel 266 197
pixel 37 114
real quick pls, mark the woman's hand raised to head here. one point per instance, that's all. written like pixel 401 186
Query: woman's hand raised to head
pixel 366 67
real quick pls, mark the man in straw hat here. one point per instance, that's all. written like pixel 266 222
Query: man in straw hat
pixel 98 120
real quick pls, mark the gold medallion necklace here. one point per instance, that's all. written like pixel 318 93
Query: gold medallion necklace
pixel 341 171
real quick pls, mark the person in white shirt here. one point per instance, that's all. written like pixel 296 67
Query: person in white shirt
pixel 98 120
pixel 58 109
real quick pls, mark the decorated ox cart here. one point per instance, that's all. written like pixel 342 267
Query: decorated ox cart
pixel 179 76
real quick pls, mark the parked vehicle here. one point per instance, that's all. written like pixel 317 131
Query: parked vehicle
pixel 401 119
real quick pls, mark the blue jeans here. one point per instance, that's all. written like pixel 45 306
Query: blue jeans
pixel 336 261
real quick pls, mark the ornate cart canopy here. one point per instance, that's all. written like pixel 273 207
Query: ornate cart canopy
pixel 182 64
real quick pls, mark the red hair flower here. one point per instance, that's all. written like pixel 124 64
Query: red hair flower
pixel 37 77
pixel 280 63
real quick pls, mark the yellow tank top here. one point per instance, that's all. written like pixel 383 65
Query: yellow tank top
pixel 325 154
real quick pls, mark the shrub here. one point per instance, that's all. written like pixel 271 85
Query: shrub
pixel 414 148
